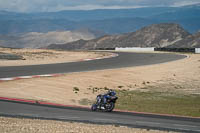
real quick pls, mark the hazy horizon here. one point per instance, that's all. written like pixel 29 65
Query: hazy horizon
pixel 32 6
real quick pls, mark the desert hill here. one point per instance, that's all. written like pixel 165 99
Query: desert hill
pixel 156 35
pixel 191 41
pixel 37 40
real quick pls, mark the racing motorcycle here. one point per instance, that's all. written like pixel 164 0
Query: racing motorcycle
pixel 108 106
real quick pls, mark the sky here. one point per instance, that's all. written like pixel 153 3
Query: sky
pixel 58 5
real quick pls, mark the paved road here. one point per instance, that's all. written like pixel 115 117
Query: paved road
pixel 123 60
pixel 85 115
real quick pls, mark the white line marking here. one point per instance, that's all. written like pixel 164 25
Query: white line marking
pixel 64 117
pixel 99 119
pixel 6 79
pixel 45 75
pixel 98 58
pixel 143 122
pixel 87 59
pixel 25 77
pixel 184 125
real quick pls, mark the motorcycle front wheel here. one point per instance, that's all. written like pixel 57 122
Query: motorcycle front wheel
pixel 109 107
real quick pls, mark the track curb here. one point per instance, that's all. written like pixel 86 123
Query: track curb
pixel 53 75
pixel 26 101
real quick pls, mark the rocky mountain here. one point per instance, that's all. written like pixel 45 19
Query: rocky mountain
pixel 191 41
pixel 37 40
pixel 156 35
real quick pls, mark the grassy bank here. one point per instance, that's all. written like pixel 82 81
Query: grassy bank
pixel 6 56
pixel 159 102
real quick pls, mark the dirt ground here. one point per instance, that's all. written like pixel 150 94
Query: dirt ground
pixel 180 76
pixel 42 56
pixel 14 125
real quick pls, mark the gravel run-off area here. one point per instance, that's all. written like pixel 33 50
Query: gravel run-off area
pixel 16 125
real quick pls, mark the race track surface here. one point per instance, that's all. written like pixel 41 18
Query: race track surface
pixel 147 121
pixel 123 60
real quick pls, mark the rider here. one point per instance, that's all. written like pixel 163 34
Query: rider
pixel 108 95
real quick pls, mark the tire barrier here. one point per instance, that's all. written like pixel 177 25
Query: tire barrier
pixel 187 50
pixel 104 49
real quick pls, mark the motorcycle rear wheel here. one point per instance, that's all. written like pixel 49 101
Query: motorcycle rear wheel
pixel 94 107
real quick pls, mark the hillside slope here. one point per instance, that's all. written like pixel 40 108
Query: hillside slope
pixel 156 35
pixel 37 40
pixel 191 41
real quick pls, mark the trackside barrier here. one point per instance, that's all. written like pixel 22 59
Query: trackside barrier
pixel 151 49
pixel 137 49
pixel 105 49
pixel 187 50
pixel 197 50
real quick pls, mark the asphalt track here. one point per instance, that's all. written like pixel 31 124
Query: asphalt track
pixel 147 121
pixel 138 120
pixel 123 60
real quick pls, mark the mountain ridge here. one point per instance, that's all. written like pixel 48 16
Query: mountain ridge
pixel 191 41
pixel 155 35
pixel 37 40
pixel 105 20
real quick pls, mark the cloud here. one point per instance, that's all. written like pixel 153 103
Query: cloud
pixel 185 3
pixel 58 5
pixel 92 7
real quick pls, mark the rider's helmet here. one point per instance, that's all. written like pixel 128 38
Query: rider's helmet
pixel 111 93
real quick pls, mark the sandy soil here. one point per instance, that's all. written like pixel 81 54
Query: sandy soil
pixel 180 76
pixel 42 56
pixel 14 125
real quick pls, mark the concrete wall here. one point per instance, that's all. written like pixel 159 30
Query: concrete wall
pixel 197 50
pixel 151 49
pixel 136 49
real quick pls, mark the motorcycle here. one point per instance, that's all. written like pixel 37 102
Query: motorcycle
pixel 108 106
